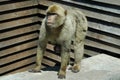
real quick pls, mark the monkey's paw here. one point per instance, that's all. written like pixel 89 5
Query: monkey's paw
pixel 60 76
pixel 74 69
pixel 35 70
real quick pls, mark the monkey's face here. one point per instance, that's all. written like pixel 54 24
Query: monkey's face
pixel 54 20
pixel 55 16
pixel 51 19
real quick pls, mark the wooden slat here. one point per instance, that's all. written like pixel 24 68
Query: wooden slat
pixel 18 40
pixel 20 30
pixel 18 48
pixel 41 11
pixel 50 47
pixel 90 52
pixel 46 2
pixel 105 28
pixel 102 46
pixel 48 62
pixel 29 60
pixel 19 22
pixel 40 19
pixel 18 14
pixel 101 16
pixel 17 5
pixel 104 38
pixel 22 69
pixel 18 26
pixel 17 56
pixel 52 56
pixel 17 64
pixel 94 6
pixel 114 2
pixel 4 0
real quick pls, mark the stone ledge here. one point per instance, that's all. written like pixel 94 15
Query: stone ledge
pixel 100 67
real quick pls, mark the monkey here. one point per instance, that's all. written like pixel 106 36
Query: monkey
pixel 66 28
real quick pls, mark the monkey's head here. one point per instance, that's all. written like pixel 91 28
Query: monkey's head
pixel 55 16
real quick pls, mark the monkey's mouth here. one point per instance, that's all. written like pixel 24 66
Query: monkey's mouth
pixel 50 23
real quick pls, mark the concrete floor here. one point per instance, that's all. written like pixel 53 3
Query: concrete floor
pixel 100 67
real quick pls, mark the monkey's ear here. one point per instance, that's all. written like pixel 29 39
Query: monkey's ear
pixel 65 12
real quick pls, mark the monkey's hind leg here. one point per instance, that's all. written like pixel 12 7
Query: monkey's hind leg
pixel 40 50
pixel 78 54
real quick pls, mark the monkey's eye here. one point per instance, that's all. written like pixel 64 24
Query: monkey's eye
pixel 49 14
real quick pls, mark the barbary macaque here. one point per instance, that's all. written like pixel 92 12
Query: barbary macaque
pixel 66 28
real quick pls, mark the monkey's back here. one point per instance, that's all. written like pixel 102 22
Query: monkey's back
pixel 80 22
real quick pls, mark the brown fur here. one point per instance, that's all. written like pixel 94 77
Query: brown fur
pixel 56 9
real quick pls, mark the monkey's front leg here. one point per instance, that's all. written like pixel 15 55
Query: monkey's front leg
pixel 65 55
pixel 40 51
